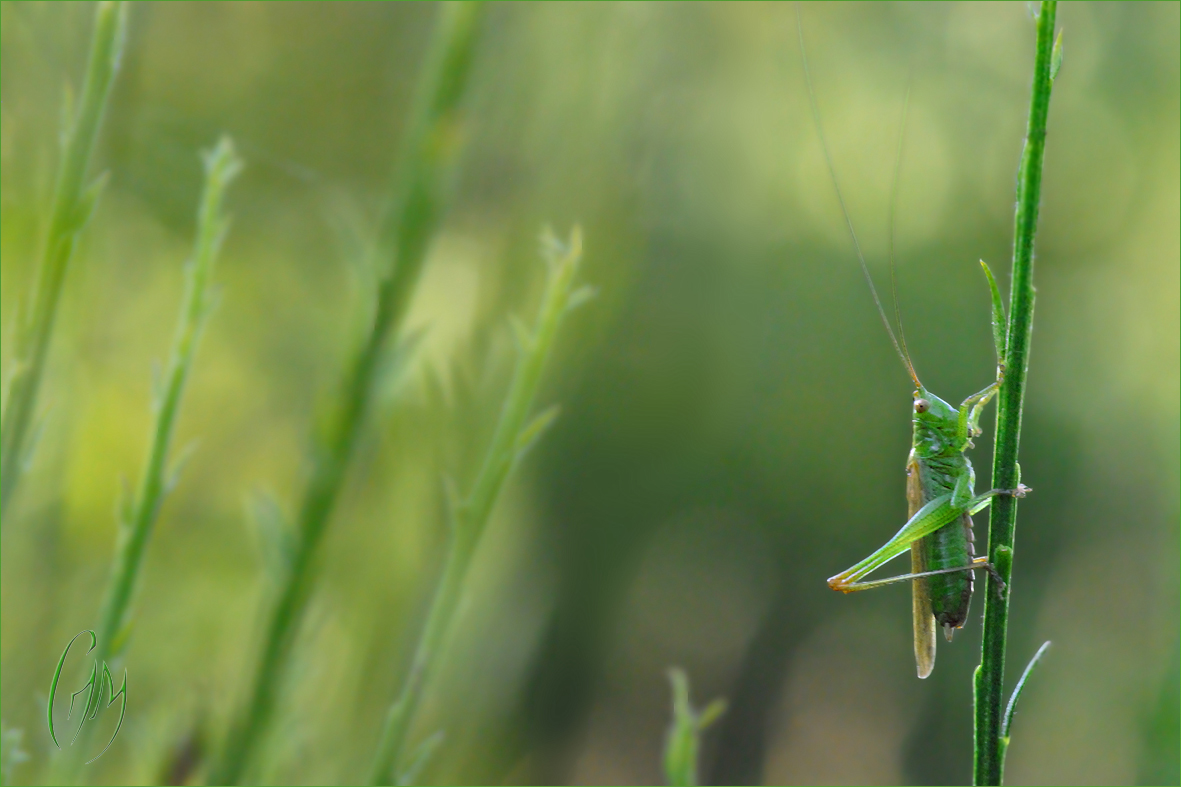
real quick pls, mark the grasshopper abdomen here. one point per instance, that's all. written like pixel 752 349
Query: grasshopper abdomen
pixel 951 594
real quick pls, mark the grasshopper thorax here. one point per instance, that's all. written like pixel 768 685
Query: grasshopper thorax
pixel 935 423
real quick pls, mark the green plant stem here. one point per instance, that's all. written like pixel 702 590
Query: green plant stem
pixel 682 743
pixel 138 517
pixel 406 230
pixel 73 203
pixel 512 438
pixel 990 675
pixel 135 527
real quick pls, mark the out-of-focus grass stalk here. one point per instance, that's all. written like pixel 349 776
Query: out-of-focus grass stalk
pixel 419 200
pixel 991 731
pixel 137 517
pixel 12 752
pixel 513 436
pixel 683 743
pixel 73 204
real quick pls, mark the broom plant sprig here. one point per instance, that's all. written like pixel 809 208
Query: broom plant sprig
pixel 73 204
pixel 515 433
pixel 137 516
pixel 682 744
pixel 992 719
pixel 428 150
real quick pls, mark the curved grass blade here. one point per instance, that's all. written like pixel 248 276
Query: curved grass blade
pixel 73 204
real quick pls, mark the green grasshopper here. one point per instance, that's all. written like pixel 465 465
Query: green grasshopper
pixel 940 480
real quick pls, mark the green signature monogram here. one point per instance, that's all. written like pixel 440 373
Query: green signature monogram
pixel 94 688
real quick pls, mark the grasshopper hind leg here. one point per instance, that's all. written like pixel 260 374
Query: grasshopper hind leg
pixel 1001 587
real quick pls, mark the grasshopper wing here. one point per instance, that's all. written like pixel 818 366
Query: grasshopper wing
pixel 924 620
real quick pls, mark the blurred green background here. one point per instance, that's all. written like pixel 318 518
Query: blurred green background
pixel 734 422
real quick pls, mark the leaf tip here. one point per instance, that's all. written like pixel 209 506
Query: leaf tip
pixel 1056 56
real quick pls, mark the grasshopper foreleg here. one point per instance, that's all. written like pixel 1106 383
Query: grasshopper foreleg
pixel 982 501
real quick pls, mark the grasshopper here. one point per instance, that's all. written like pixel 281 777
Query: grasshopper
pixel 940 481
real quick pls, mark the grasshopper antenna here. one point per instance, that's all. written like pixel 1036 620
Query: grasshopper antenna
pixel 898 348
pixel 893 208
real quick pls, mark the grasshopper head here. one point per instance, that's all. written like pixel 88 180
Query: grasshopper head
pixel 935 423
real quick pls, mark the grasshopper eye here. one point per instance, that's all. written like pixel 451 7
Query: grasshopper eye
pixel 921 405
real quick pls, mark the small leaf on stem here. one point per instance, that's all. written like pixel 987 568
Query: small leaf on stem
pixel 1056 56
pixel 684 734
